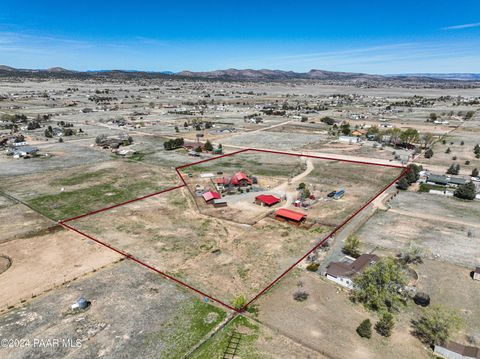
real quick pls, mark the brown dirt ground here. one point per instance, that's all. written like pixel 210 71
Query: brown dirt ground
pixel 451 286
pixel 222 258
pixel 327 320
pixel 43 262
pixel 4 263
pixel 17 220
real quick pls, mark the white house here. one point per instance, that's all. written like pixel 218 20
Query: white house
pixel 349 139
pixel 342 273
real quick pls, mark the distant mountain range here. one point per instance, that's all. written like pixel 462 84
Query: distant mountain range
pixel 234 74
pixel 242 75
pixel 460 76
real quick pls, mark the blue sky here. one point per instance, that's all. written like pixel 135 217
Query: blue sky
pixel 361 36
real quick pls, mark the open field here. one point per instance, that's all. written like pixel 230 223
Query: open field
pixel 461 152
pixel 447 228
pixel 134 313
pixel 68 193
pixel 45 261
pixel 224 259
pixel 360 182
pixel 272 140
pixel 257 342
pixel 17 220
pixel 217 255
pixel 461 294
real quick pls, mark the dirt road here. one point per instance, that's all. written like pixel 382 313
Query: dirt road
pixel 287 187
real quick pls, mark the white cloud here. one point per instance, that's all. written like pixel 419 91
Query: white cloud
pixel 462 26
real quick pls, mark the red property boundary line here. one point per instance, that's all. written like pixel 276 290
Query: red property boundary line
pixel 184 183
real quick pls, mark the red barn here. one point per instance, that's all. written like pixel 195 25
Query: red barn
pixel 290 216
pixel 266 200
pixel 210 196
pixel 239 179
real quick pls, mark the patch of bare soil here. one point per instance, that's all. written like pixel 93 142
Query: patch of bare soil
pixel 5 263
pixel 43 262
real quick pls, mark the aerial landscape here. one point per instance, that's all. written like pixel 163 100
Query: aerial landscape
pixel 223 185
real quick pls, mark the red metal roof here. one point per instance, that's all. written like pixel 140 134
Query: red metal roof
pixel 208 196
pixel 268 199
pixel 239 176
pixel 286 213
pixel 234 180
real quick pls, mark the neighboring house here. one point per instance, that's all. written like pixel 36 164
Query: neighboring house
pixel 359 133
pixel 442 180
pixel 57 131
pixel 476 273
pixel 437 179
pixel 349 139
pixel 266 200
pixel 23 151
pixel 455 181
pixel 453 350
pixel 343 272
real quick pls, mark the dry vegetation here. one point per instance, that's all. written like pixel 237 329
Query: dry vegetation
pixel 227 251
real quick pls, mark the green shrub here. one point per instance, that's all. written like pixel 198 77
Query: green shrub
pixel 365 329
pixel 385 325
pixel 313 267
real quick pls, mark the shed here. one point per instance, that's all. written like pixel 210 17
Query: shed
pixel 266 200
pixel 210 196
pixel 287 215
pixel 221 202
pixel 349 139
pixel 476 273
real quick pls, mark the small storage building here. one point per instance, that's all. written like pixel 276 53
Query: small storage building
pixel 210 196
pixel 266 200
pixel 287 215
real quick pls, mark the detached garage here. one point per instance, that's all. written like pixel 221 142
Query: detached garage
pixel 266 200
pixel 210 196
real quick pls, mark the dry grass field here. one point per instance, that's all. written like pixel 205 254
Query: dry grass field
pixel 17 220
pixel 133 313
pixel 42 262
pixel 447 228
pixel 327 320
pixel 222 258
pixel 225 256
pixel 66 193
